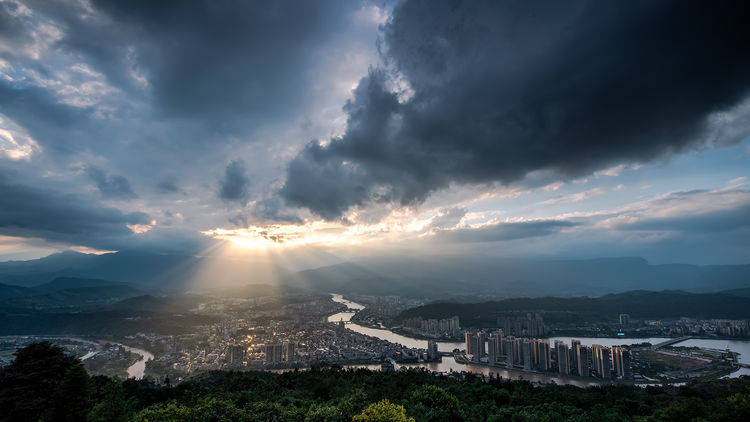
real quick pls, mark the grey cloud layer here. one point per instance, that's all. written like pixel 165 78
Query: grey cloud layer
pixel 149 97
pixel 235 183
pixel 501 89
pixel 498 232
pixel 43 213
pixel 219 60
pixel 696 226
pixel 154 100
pixel 111 186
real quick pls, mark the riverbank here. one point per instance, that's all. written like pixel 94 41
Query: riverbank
pixel 449 364
pixel 136 370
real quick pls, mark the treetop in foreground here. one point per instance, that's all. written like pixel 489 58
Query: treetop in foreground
pixel 43 383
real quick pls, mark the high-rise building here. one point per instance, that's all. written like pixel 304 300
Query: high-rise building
pixel 288 351
pixel 544 358
pixel 481 340
pixel 602 361
pixel 527 346
pixel 432 350
pixel 621 362
pixel 606 363
pixel 516 353
pixel 273 353
pixel 624 319
pixel 596 359
pixel 494 348
pixel 563 357
pixel 455 324
pixel 574 346
pixel 475 345
pixel 236 354
pixel 532 325
pixel 583 361
pixel 469 343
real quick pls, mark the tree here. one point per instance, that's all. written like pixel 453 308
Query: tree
pixel 29 385
pixel 438 404
pixel 322 413
pixel 353 404
pixel 71 399
pixel 114 407
pixel 383 411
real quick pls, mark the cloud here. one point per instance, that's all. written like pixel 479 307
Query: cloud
pixel 71 219
pixel 448 218
pixel 220 61
pixel 493 91
pixel 111 186
pixel 574 197
pixel 496 232
pixel 234 186
pixel 693 212
pixel 167 186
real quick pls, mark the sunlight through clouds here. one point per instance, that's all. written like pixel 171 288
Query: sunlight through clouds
pixel 15 143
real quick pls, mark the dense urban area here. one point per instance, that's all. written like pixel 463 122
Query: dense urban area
pixel 287 331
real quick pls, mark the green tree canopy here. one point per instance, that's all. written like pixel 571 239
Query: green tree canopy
pixel 383 411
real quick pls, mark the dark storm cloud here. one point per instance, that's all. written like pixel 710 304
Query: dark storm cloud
pixel 47 214
pixel 504 231
pixel 220 60
pixel 502 89
pixel 111 186
pixel 56 126
pixel 234 186
pixel 167 186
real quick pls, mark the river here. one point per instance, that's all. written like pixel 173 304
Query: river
pixel 135 370
pixel 449 364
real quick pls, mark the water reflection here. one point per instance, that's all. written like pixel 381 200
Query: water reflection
pixel 449 364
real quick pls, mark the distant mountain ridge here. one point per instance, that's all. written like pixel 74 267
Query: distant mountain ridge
pixel 744 292
pixel 65 292
pixel 638 304
pixel 74 297
pixel 434 277
pixel 63 283
pixel 451 276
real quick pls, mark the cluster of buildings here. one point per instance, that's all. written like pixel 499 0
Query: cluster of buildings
pixel 733 328
pixel 447 327
pixel 385 307
pixel 274 353
pixel 268 334
pixel 535 354
pixel 700 327
pixel 529 325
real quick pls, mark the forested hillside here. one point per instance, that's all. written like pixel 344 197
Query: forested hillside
pixel 638 304
pixel 45 384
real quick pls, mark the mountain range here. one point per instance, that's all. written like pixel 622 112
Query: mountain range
pixel 638 304
pixel 66 292
pixel 433 277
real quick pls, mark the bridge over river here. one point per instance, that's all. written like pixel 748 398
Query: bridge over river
pixel 670 342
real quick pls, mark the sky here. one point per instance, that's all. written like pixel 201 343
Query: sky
pixel 580 129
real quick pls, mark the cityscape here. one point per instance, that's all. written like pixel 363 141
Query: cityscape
pixel 281 333
pixel 535 354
